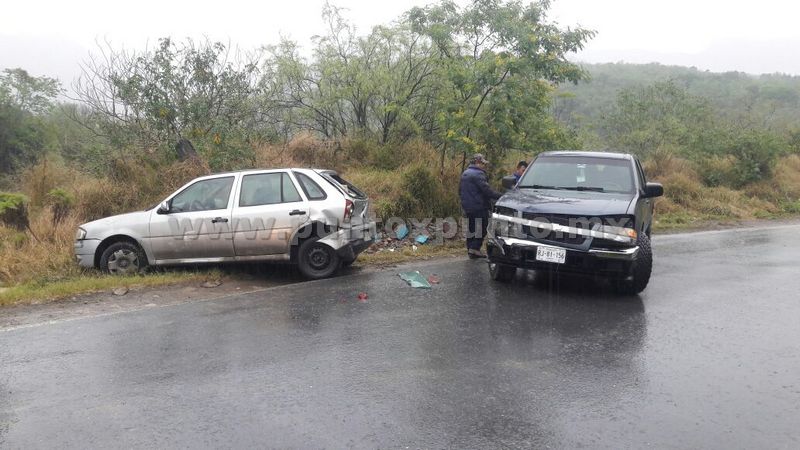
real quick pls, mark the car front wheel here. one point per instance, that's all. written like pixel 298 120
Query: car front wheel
pixel 123 258
pixel 317 260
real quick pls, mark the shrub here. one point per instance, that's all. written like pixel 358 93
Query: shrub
pixel 756 153
pixel 14 210
pixel 719 171
pixel 38 180
pixel 61 203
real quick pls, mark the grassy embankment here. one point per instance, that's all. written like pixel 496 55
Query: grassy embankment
pixel 38 264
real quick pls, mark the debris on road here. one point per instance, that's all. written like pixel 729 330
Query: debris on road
pixel 211 283
pixel 362 296
pixel 434 279
pixel 415 279
pixel 401 232
pixel 120 291
pixel 403 236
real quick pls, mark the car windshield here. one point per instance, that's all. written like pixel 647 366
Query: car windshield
pixel 580 174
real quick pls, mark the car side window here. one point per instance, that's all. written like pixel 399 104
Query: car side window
pixel 204 195
pixel 268 189
pixel 310 187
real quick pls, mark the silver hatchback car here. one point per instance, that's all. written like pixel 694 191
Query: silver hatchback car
pixel 311 218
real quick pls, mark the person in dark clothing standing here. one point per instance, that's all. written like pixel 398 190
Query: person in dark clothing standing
pixel 476 196
pixel 521 166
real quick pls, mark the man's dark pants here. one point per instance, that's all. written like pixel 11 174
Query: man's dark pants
pixel 477 221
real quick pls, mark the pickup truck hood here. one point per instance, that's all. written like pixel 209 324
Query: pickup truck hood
pixel 572 203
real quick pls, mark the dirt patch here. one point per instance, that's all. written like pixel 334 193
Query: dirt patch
pixel 103 303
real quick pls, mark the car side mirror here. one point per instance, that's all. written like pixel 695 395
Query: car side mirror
pixel 653 190
pixel 163 208
pixel 509 182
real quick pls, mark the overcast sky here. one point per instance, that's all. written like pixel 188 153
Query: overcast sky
pixel 50 37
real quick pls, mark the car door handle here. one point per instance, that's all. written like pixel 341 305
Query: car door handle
pixel 219 219
pixel 297 212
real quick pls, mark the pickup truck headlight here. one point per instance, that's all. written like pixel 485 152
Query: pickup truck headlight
pixel 620 231
pixel 80 234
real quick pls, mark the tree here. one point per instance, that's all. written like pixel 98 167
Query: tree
pixel 355 86
pixel 647 118
pixel 174 95
pixel 24 134
pixel 31 94
pixel 498 57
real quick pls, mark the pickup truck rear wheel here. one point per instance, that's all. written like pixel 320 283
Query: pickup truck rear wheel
pixel 502 272
pixel 317 260
pixel 642 268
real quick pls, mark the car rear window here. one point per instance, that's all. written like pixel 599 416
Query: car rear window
pixel 343 184
pixel 310 187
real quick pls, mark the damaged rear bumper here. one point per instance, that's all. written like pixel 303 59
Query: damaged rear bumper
pixel 349 242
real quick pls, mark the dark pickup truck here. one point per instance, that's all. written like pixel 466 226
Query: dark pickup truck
pixel 579 212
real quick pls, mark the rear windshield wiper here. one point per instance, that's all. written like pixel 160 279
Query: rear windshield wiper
pixel 583 188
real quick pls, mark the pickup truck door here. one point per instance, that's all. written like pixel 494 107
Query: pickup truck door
pixel 197 225
pixel 267 211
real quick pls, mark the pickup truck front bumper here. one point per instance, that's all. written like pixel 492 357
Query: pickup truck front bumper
pixel 611 263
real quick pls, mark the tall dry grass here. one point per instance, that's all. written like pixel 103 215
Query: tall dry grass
pixel 43 256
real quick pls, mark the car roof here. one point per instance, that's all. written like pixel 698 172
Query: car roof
pixel 579 153
pixel 256 170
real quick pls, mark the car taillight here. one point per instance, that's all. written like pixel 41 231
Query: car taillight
pixel 349 207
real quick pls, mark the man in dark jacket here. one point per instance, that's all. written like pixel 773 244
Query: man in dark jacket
pixel 521 166
pixel 476 197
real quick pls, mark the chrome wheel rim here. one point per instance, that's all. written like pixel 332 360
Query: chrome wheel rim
pixel 123 262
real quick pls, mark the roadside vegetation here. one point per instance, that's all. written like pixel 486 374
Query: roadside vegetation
pixel 397 109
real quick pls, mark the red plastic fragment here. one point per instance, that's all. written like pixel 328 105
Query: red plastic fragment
pixel 434 279
pixel 362 296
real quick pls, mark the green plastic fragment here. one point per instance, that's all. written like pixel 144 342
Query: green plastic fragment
pixel 415 279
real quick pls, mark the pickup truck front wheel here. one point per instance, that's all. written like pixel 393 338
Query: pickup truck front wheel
pixel 317 260
pixel 642 268
pixel 502 272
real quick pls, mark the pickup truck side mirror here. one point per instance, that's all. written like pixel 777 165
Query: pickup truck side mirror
pixel 163 208
pixel 652 190
pixel 509 182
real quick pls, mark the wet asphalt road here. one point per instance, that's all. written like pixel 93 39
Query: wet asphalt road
pixel 707 357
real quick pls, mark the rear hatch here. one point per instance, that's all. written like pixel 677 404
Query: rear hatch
pixel 356 195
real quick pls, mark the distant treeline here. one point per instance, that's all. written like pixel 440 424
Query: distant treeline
pixel 715 119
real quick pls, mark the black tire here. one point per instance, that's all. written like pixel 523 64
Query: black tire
pixel 642 268
pixel 123 258
pixel 317 260
pixel 502 272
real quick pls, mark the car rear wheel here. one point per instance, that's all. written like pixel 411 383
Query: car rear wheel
pixel 642 268
pixel 502 272
pixel 317 260
pixel 123 258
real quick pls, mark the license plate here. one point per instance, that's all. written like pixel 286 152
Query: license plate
pixel 550 254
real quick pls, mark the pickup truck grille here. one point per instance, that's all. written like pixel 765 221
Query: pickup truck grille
pixel 555 236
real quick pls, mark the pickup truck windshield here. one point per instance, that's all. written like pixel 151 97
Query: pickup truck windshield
pixel 579 174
